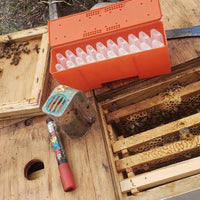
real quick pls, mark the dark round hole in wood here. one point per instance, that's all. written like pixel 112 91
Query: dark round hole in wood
pixel 34 169
pixel 28 122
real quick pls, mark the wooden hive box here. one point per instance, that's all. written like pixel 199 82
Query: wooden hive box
pixel 152 126
pixel 152 133
pixel 22 84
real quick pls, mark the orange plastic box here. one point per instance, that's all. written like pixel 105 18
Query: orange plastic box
pixel 110 22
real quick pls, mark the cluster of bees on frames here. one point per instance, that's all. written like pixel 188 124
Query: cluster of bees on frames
pixel 12 50
pixel 172 108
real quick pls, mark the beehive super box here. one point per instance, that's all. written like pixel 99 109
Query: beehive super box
pixel 110 22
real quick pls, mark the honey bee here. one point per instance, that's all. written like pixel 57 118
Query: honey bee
pixel 12 50
pixel 25 43
pixel 36 48
pixel 9 41
pixel 25 50
pixel 188 155
pixel 15 60
pixel 145 166
pixel 185 134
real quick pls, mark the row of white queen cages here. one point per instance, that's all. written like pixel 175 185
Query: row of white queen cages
pixel 134 45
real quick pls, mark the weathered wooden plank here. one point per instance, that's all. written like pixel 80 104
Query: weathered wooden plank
pixel 125 153
pixel 161 154
pixel 16 110
pixel 164 130
pixel 7 123
pixel 169 189
pixel 22 86
pixel 150 103
pixel 162 175
pixel 183 74
pixel 24 115
pixel 109 137
pixel 22 144
pixel 41 68
pixel 129 171
pixel 25 34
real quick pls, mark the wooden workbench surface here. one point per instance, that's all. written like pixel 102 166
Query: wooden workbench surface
pixel 20 144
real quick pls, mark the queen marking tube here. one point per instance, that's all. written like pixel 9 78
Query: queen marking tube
pixel 63 166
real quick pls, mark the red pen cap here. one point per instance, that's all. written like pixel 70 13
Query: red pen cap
pixel 66 177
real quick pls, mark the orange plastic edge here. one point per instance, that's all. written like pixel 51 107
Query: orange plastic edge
pixel 103 20
pixel 143 64
pixel 91 76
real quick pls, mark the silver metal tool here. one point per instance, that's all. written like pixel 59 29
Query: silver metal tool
pixel 193 31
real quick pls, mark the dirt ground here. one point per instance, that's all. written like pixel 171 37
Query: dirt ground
pixel 74 6
pixel 16 15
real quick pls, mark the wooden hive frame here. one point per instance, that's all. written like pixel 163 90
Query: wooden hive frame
pixel 152 172
pixel 29 105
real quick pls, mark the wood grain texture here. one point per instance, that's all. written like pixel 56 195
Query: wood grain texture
pixel 129 171
pixel 159 154
pixel 164 130
pixel 109 138
pixel 87 157
pixel 17 81
pixel 41 68
pixel 7 123
pixel 180 14
pixel 125 153
pixel 25 34
pixel 150 103
pixel 169 189
pixel 162 175
pixel 21 86
pixel 172 18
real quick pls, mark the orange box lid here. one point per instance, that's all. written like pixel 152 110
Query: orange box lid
pixel 103 20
